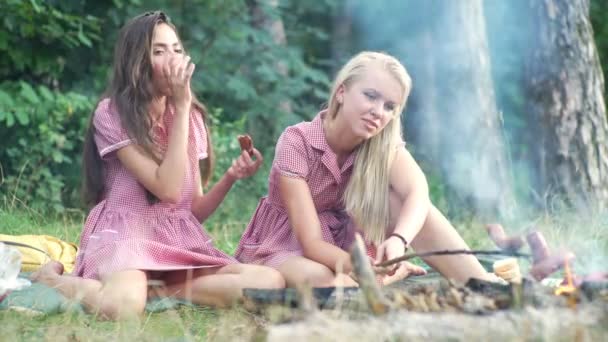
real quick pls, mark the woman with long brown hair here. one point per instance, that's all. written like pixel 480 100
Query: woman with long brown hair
pixel 147 155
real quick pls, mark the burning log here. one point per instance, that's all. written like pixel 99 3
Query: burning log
pixel 568 289
pixel 595 277
pixel 323 297
pixel 502 241
pixel 594 285
pixel 367 278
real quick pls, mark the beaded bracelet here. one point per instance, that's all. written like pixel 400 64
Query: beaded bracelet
pixel 400 238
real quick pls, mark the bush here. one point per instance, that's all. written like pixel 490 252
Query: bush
pixel 42 140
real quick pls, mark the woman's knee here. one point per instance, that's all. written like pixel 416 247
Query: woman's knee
pixel 321 278
pixel 303 271
pixel 273 279
pixel 122 305
pixel 264 276
pixel 124 295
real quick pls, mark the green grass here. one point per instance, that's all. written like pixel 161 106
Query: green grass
pixel 184 322
pixel 585 234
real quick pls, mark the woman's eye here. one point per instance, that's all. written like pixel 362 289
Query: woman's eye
pixel 389 107
pixel 158 52
pixel 370 96
pixel 179 50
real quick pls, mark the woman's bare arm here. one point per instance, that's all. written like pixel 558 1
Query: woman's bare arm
pixel 304 221
pixel 409 183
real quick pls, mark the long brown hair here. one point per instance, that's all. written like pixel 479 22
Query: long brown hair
pixel 131 91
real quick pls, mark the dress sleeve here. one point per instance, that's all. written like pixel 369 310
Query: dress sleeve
pixel 199 133
pixel 291 156
pixel 110 136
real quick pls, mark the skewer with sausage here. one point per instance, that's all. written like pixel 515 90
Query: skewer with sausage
pixel 502 241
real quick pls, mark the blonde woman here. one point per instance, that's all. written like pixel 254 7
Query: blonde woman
pixel 345 171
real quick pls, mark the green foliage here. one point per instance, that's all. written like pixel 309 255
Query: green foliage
pixel 37 38
pixel 598 10
pixel 41 132
pixel 239 204
pixel 244 70
pixel 58 56
pixel 41 125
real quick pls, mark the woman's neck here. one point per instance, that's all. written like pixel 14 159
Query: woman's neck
pixel 339 136
pixel 157 108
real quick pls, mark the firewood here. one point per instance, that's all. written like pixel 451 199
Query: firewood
pixel 432 302
pixel 306 298
pixel 367 279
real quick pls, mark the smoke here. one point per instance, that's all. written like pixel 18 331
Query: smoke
pixel 452 118
pixel 461 79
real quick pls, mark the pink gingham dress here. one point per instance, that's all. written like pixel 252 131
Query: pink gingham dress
pixel 123 231
pixel 301 152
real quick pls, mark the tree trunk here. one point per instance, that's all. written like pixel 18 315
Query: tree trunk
pixel 566 105
pixel 472 154
pixel 265 16
pixel 422 122
pixel 274 26
pixel 342 35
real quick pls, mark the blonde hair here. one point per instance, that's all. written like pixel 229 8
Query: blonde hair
pixel 366 197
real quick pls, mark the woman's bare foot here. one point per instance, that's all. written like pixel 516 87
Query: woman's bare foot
pixel 48 273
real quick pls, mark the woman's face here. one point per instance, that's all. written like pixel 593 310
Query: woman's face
pixel 166 49
pixel 370 102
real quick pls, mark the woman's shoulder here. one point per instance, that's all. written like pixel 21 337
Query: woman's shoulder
pixel 307 133
pixel 105 110
pixel 298 133
pixel 104 105
pixel 106 120
pixel 304 130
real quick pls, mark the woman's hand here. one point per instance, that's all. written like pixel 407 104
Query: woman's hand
pixel 178 73
pixel 244 166
pixel 393 248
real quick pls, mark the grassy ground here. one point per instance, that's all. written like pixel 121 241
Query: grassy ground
pixel 586 235
pixel 182 323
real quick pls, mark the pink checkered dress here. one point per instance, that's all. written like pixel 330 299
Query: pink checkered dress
pixel 302 152
pixel 123 231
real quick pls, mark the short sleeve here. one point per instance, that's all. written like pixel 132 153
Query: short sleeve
pixel 199 135
pixel 291 154
pixel 110 136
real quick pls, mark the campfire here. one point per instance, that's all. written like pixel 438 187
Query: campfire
pixel 442 295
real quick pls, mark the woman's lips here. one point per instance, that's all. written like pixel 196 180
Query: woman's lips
pixel 370 123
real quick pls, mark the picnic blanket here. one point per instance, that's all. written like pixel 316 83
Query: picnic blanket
pixel 44 247
pixel 40 299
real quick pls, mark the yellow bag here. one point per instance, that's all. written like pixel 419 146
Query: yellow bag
pixel 32 259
